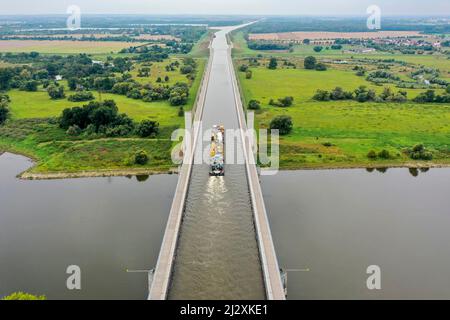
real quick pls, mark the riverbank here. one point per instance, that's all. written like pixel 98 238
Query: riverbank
pixel 29 174
pixel 90 158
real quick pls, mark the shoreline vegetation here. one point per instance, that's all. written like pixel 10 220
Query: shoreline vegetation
pixel 29 175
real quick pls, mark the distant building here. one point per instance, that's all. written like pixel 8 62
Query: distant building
pixel 58 77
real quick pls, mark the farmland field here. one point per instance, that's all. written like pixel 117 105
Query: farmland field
pixel 64 46
pixel 299 36
pixel 335 134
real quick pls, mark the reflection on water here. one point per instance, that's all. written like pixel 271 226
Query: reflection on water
pixel 142 178
pixel 338 222
pixel 103 225
pixel 413 171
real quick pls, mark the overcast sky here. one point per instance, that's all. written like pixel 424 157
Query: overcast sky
pixel 250 7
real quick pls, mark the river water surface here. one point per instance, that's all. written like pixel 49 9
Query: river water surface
pixel 103 225
pixel 333 222
pixel 336 223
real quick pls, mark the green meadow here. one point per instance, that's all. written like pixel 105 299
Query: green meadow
pixel 334 134
pixel 33 130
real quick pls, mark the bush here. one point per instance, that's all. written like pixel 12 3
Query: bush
pixel 282 123
pixel 56 92
pixel 322 95
pixel 186 69
pixel 372 154
pixel 254 105
pixel 97 115
pixel 363 94
pixel 179 94
pixel 141 157
pixel 428 96
pixel 419 148
pixel 30 86
pixel 273 64
pixel 81 96
pixel 23 296
pixel 321 67
pixel 285 102
pixel 318 48
pixel 339 94
pixel 243 68
pixel 419 152
pixel 4 111
pixel 147 128
pixel 310 63
pixel 73 130
pixel 384 154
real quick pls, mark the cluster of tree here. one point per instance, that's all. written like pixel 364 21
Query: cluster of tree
pixel 264 45
pixel 345 24
pixel 418 152
pixel 173 66
pixel 254 105
pixel 81 96
pixel 4 110
pixel 144 72
pixel 154 52
pixel 41 69
pixel 282 123
pixel 381 76
pixel 383 154
pixel 273 63
pixel 311 63
pixel 361 94
pixel 318 48
pixel 141 157
pixel 282 102
pixel 360 71
pixel 103 118
pixel 248 72
pixel 430 96
pixel 177 94
pixel 189 68
pixel 56 92
pixel 336 46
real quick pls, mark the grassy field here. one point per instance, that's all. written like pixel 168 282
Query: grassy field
pixel 351 128
pixel 64 46
pixel 33 131
pixel 56 152
pixel 39 105
pixel 201 48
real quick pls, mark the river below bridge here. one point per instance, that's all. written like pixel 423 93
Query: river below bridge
pixel 333 223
